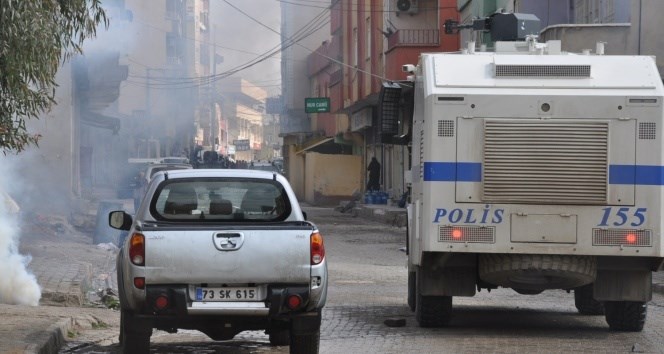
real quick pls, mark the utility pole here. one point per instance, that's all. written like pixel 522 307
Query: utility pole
pixel 213 89
pixel 148 112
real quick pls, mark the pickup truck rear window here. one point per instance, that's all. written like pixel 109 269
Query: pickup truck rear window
pixel 220 200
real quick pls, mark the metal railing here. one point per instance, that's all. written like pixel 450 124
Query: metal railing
pixel 414 38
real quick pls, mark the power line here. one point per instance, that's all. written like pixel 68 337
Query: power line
pixel 308 29
pixel 353 7
pixel 311 27
pixel 300 45
pixel 147 24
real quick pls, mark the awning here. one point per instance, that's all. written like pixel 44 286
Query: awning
pixel 312 144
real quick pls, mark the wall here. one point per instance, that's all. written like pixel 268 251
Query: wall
pixel 620 39
pixel 294 168
pixel 651 38
pixel 50 172
pixel 330 179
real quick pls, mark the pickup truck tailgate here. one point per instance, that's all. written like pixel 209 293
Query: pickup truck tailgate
pixel 228 256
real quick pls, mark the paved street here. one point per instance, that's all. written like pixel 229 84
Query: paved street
pixel 367 286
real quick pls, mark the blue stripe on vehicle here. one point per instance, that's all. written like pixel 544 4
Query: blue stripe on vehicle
pixel 472 172
pixel 453 171
pixel 636 174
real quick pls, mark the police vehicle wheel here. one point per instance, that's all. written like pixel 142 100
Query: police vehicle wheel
pixel 432 311
pixel 411 290
pixel 537 271
pixel 585 302
pixel 627 316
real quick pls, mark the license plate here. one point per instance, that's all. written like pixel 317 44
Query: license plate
pixel 227 294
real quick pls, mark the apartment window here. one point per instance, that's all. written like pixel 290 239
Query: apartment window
pixel 368 38
pixel 596 11
pixel 355 47
pixel 171 9
pixel 171 46
pixel 204 20
pixel 205 54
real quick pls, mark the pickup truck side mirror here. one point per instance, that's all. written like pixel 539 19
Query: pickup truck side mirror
pixel 120 220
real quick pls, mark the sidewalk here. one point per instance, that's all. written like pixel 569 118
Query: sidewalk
pixel 68 268
pixel 65 264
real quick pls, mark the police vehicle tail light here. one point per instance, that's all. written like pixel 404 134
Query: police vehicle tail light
pixel 476 234
pixel 137 249
pixel 622 237
pixel 317 248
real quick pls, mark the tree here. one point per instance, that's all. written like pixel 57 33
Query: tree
pixel 36 36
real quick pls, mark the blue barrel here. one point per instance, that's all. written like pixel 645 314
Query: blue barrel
pixel 367 198
pixel 104 233
pixel 383 197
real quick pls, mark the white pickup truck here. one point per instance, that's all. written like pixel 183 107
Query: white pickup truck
pixel 220 251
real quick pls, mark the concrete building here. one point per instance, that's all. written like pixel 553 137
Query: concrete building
pixel 135 92
pixel 79 141
pixel 368 42
pixel 302 28
pixel 243 110
pixel 626 26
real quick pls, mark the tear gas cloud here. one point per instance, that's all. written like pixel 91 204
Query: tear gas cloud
pixel 17 285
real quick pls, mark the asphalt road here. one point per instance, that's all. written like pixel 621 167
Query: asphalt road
pixel 368 285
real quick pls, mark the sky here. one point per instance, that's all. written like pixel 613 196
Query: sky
pixel 241 34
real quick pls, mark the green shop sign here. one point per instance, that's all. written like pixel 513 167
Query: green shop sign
pixel 317 104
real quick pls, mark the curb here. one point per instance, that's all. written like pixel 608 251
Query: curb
pixel 55 338
pixel 398 218
pixel 75 295
pixel 658 288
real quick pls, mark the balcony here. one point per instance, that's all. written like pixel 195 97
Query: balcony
pixel 321 58
pixel 414 38
pixel 336 77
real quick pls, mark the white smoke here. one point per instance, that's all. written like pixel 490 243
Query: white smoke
pixel 17 285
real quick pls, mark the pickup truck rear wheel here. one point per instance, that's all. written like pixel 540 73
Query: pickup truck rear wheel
pixel 281 337
pixel 134 334
pixel 304 343
pixel 585 302
pixel 628 316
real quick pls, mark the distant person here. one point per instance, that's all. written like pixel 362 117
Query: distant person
pixel 140 190
pixel 374 175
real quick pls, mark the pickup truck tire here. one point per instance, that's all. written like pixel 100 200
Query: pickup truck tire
pixel 304 343
pixel 537 271
pixel 585 302
pixel 627 316
pixel 134 334
pixel 281 337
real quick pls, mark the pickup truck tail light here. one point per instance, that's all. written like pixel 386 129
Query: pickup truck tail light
pixel 294 301
pixel 317 248
pixel 137 249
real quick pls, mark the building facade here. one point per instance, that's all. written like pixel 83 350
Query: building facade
pixel 368 42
